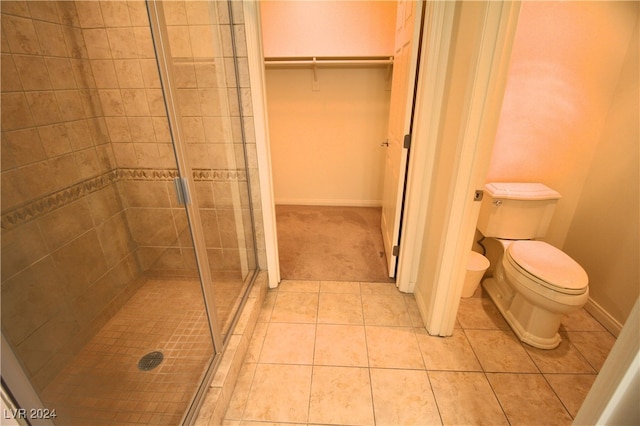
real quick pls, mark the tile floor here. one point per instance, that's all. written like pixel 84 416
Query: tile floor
pixel 103 385
pixel 350 353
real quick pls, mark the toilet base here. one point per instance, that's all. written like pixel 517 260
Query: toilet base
pixel 533 325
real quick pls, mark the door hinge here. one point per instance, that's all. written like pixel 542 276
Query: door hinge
pixel 395 250
pixel 182 191
pixel 407 141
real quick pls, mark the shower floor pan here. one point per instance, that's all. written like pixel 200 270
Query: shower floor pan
pixel 103 384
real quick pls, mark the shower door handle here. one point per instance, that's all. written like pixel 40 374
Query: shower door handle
pixel 182 191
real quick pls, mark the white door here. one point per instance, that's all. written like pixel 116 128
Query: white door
pixel 405 63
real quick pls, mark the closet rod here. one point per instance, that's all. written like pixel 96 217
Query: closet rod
pixel 384 60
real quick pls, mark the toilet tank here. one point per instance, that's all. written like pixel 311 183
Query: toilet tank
pixel 516 211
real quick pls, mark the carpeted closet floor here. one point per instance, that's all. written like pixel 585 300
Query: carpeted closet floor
pixel 331 243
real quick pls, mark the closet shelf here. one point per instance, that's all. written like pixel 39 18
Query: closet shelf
pixel 329 61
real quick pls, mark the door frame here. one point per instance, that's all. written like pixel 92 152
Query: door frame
pixel 498 31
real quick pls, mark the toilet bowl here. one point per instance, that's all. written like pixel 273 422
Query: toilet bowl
pixel 533 287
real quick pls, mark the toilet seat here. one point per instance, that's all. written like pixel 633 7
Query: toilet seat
pixel 548 266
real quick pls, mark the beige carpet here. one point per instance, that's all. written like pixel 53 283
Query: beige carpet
pixel 331 243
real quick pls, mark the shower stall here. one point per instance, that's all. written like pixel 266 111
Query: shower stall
pixel 128 236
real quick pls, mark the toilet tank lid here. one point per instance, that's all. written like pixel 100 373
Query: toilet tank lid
pixel 521 191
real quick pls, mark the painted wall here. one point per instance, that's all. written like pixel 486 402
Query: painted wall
pixel 604 234
pixel 325 141
pixel 561 125
pixel 325 144
pixel 328 28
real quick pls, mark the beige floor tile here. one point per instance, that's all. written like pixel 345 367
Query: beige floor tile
pixel 240 392
pixel 593 345
pixel 572 389
pixel 466 398
pixel 403 397
pixel 352 287
pixel 412 309
pixel 528 399
pixel 341 396
pixel 480 313
pixel 295 307
pixel 451 353
pixel 563 359
pixel 500 351
pixel 341 345
pixel 291 385
pixel 286 343
pixel 299 286
pixel 267 306
pixel 580 320
pixel 256 342
pixel 393 347
pixel 378 288
pixel 385 309
pixel 340 309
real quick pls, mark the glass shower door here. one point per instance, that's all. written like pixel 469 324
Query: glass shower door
pixel 200 61
pixel 105 304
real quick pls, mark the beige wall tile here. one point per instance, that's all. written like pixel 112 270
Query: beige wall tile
pixel 79 134
pixel 55 140
pixel 83 74
pixel 118 128
pixel 179 41
pixel 16 113
pixel 51 37
pixel 32 72
pixel 138 13
pixel 202 41
pixel 21 147
pixel 10 79
pixel 65 224
pixel 76 46
pixel 115 13
pixel 65 171
pixel 44 107
pixel 67 13
pixel 97 43
pixel 20 34
pixel 44 11
pixel 60 73
pixel 122 42
pixel 129 73
pixel 21 247
pixel 135 102
pixel 141 128
pixel 28 300
pixel 149 69
pixel 70 104
pixel 89 14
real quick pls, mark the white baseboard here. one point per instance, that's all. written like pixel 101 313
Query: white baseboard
pixel 328 202
pixel 603 317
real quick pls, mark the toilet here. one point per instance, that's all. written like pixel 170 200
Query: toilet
pixel 534 284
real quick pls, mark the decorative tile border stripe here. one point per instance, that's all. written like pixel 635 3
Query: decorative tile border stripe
pixel 219 175
pixel 58 199
pixel 66 196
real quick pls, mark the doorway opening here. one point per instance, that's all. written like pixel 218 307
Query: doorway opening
pixel 338 170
